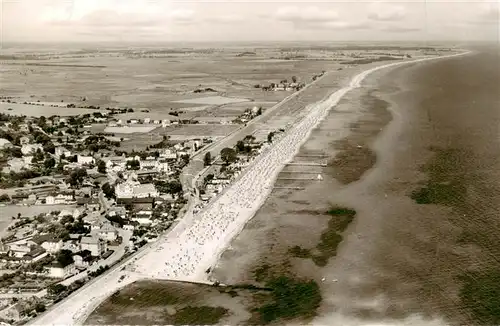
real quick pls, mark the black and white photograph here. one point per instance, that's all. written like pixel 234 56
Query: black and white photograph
pixel 229 162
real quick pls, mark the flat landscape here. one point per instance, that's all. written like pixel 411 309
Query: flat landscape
pixel 249 163
pixel 303 257
pixel 307 225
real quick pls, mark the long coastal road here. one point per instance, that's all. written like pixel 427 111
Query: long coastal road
pixel 188 179
pixel 196 163
pixel 81 303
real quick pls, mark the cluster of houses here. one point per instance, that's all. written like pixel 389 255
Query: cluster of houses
pixel 85 249
pixel 284 85
pixel 164 123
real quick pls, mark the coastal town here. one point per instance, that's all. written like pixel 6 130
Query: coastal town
pixel 100 204
pixel 91 189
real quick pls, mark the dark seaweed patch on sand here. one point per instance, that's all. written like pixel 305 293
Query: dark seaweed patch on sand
pixel 355 156
pixel 481 293
pixel 158 303
pixel 449 177
pixel 446 183
pixel 330 238
pixel 290 299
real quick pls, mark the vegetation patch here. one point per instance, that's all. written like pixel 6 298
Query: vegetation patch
pixel 165 303
pixel 439 193
pixel 290 299
pixel 330 238
pixel 447 179
pixel 204 315
pixel 481 295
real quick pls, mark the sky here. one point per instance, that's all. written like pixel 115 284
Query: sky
pixel 258 20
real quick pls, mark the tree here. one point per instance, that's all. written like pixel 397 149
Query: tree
pixel 4 198
pixel 40 307
pixel 294 79
pixel 174 187
pixel 49 163
pixel 108 190
pixel 56 289
pixel 38 156
pixel 207 160
pixel 101 167
pixel 270 137
pixel 249 139
pixel 68 219
pixel 240 146
pixel 259 111
pixel 76 177
pixel 185 159
pixel 49 147
pixel 65 257
pixel 208 178
pixel 133 164
pixel 228 155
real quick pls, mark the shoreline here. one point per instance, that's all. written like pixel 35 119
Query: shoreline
pixel 255 234
pixel 354 84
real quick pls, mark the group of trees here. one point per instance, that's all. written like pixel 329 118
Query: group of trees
pixel 56 289
pixel 207 160
pixel 108 190
pixel 101 166
pixel 133 165
pixel 170 187
pixel 64 257
pixel 77 176
pixel 228 155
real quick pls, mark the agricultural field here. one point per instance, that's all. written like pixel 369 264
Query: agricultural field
pixel 197 83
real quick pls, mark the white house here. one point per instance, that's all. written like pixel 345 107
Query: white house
pixel 134 189
pixel 20 248
pixel 80 262
pixel 50 200
pixel 4 143
pixel 60 151
pixel 108 232
pixel 128 227
pixel 168 154
pixel 24 140
pixel 30 148
pixel 58 200
pixel 163 167
pixel 118 211
pixel 147 164
pixel 82 160
pixel 35 255
pixel 143 220
pixel 96 246
pixel 48 242
pixel 56 270
pixel 147 120
pixel 71 245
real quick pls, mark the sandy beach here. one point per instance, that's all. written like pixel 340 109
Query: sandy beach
pixel 195 244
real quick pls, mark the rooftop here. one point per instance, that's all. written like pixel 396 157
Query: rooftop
pixel 44 238
pixel 89 240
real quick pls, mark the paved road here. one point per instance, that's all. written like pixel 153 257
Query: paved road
pixel 196 164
